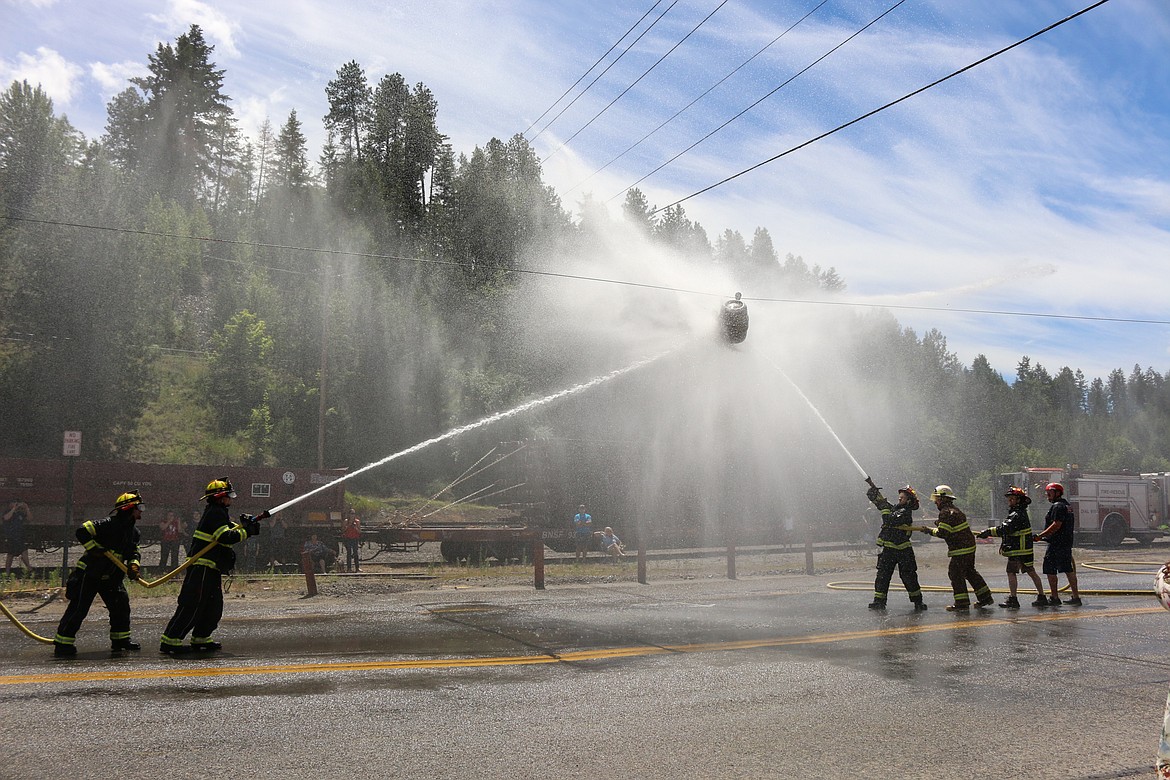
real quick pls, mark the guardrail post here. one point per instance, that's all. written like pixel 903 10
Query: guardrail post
pixel 310 574
pixel 538 562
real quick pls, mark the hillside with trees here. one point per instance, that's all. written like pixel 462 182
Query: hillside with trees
pixel 182 292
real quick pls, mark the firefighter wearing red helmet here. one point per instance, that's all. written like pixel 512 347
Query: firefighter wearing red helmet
pixel 201 596
pixel 96 575
pixel 1058 532
pixel 1016 545
pixel 954 529
pixel 897 552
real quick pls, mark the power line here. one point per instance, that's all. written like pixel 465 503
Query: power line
pixel 644 75
pixel 867 115
pixel 956 310
pixel 591 67
pixel 788 81
pixel 607 67
pixel 577 277
pixel 708 91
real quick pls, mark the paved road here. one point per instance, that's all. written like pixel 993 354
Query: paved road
pixel 768 676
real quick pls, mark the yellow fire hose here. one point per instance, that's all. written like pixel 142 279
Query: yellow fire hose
pixel 152 584
pixel 1097 565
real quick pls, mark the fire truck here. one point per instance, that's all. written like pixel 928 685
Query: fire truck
pixel 44 486
pixel 1107 507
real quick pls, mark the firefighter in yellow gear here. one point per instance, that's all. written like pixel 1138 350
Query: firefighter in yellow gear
pixel 201 597
pixel 97 575
pixel 953 528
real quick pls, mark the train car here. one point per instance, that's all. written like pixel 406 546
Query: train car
pixel 44 486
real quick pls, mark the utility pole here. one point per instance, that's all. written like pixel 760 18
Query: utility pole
pixel 324 366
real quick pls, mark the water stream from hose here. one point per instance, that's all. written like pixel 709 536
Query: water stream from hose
pixel 525 407
pixel 824 422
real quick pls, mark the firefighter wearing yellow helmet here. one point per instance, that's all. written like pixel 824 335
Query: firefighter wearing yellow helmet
pixel 201 597
pixel 1016 545
pixel 953 528
pixel 96 575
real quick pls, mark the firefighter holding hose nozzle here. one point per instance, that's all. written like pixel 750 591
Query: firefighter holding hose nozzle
pixel 897 552
pixel 97 575
pixel 201 596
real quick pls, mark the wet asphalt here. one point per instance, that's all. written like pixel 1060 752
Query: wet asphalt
pixel 764 676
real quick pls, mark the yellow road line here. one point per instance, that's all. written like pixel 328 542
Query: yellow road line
pixel 570 657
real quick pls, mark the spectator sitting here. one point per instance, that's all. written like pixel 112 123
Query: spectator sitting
pixel 319 553
pixel 610 542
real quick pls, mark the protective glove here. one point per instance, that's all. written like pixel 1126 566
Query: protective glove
pixel 250 524
pixel 985 533
pixel 873 494
pixel 133 570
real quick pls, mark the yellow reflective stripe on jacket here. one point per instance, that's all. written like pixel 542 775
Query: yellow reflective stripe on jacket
pixel 893 546
pixel 91 543
pixel 950 529
pixel 963 551
pixel 205 562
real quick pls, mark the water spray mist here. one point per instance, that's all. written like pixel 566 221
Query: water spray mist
pixel 479 424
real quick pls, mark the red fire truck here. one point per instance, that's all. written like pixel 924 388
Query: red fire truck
pixel 44 486
pixel 1108 507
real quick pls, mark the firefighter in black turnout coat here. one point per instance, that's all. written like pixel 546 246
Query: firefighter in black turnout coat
pixel 201 597
pixel 97 575
pixel 897 552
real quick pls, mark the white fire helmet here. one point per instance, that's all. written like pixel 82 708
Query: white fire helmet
pixel 1162 586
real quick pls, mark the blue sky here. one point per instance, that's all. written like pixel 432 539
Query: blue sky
pixel 1038 182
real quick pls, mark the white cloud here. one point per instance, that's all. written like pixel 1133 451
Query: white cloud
pixel 218 29
pixel 56 75
pixel 113 77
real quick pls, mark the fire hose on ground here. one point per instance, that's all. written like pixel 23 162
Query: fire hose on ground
pixel 122 566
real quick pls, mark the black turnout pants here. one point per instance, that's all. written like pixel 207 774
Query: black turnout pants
pixel 200 606
pixel 83 586
pixel 907 566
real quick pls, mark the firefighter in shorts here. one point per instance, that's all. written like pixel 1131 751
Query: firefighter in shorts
pixel 1016 533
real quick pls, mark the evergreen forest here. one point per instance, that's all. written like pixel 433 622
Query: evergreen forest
pixel 183 293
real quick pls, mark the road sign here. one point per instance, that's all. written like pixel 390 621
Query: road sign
pixel 72 446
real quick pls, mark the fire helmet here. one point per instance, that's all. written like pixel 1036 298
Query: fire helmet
pixel 218 488
pixel 942 491
pixel 1020 493
pixel 1162 587
pixel 912 493
pixel 1059 488
pixel 128 501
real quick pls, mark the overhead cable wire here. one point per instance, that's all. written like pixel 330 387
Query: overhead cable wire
pixel 708 91
pixel 599 279
pixel 607 67
pixel 635 83
pixel 892 103
pixel 591 67
pixel 788 81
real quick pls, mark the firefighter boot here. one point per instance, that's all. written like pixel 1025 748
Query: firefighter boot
pixel 1011 602
pixel 919 605
pixel 962 606
pixel 986 600
pixel 877 604
pixel 118 645
pixel 206 647
pixel 62 650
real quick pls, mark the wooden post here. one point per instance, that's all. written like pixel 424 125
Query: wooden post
pixel 538 561
pixel 310 574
